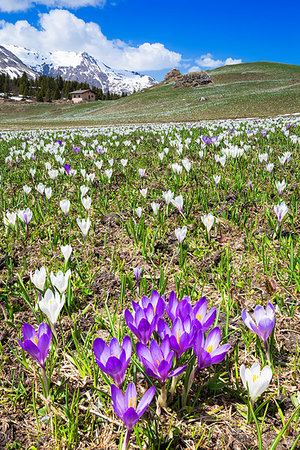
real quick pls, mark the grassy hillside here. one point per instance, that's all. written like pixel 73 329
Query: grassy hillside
pixel 243 90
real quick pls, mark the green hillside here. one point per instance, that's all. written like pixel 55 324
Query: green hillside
pixel 243 90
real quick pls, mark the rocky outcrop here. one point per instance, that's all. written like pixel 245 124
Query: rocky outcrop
pixel 193 79
pixel 174 73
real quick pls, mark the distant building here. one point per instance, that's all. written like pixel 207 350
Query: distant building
pixel 83 95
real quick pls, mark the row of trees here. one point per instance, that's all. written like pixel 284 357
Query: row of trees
pixel 45 88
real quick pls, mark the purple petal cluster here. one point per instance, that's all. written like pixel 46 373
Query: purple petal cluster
pixel 181 336
pixel 158 360
pixel 198 313
pixel 37 344
pixel 146 314
pixel 113 359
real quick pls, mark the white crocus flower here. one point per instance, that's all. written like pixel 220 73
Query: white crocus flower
pixel 180 233
pixel 84 225
pixel 280 211
pixel 10 218
pixel 280 185
pixel 60 280
pixel 155 207
pixel 124 162
pixel 66 251
pixel 51 304
pixel 86 202
pixel 142 172
pixel 178 202
pixel 168 196
pixel 25 215
pixel 48 192
pixel 208 221
pixel 270 167
pixel 138 212
pixel 38 278
pixel 84 190
pixel 217 178
pixel 98 164
pixel 255 380
pixel 32 172
pixel 144 192
pixel 186 164
pixel 65 206
pixel 111 162
pixel 26 189
pixel 108 173
pixel 40 188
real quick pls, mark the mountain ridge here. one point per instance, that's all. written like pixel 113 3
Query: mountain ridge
pixel 72 66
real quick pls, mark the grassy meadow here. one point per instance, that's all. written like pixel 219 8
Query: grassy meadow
pixel 245 90
pixel 163 239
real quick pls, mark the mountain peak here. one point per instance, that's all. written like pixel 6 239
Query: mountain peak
pixel 81 67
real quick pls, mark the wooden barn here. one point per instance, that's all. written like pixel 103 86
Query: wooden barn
pixel 83 95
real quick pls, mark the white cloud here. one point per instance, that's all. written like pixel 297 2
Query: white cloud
pixel 62 30
pixel 23 5
pixel 194 69
pixel 209 62
pixel 230 61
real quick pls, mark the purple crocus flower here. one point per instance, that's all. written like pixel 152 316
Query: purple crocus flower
pixel 126 407
pixel 158 360
pixel 178 309
pixel 263 323
pixel 76 149
pixel 157 302
pixel 143 323
pixel 181 336
pixel 137 271
pixel 201 317
pixel 37 344
pixel 113 359
pixel 207 350
pixel 67 168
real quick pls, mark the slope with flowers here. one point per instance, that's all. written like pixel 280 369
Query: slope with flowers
pixel 244 90
pixel 149 277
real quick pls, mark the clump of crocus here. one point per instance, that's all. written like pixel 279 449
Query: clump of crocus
pixel 158 361
pixel 113 359
pixel 127 408
pixel 146 315
pixel 263 323
pixel 181 335
pixel 37 344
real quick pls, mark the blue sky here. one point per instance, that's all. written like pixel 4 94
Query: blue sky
pixel 152 37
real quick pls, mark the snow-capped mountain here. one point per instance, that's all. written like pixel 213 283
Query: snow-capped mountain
pixel 11 65
pixel 81 67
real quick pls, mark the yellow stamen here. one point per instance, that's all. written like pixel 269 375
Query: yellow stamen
pixel 154 309
pixel 178 337
pixel 209 349
pixel 36 340
pixel 198 316
pixel 132 403
pixel 255 377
